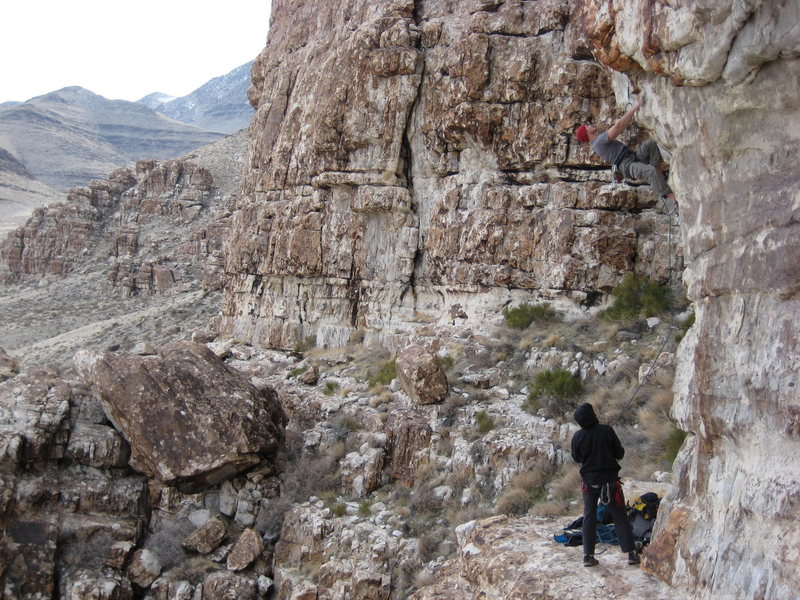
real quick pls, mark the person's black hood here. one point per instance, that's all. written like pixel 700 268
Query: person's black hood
pixel 585 417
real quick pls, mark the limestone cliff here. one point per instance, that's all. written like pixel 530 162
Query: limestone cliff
pixel 406 155
pixel 411 158
pixel 721 81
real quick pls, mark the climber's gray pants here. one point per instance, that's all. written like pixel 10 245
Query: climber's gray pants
pixel 642 165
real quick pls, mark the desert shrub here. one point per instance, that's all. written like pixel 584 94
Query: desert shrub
pixel 674 442
pixel 309 477
pixel 343 426
pixel 298 371
pixel 306 344
pixel 514 501
pixel 363 509
pixel 525 314
pixel 166 539
pixel 637 296
pixel 424 502
pixel 383 374
pixel 567 484
pixel 524 490
pixel 330 388
pixel 552 508
pixel 485 422
pixel 531 405
pixel 451 405
pixel 382 396
pixel 429 541
pixel 445 362
pixel 339 509
pixel 556 384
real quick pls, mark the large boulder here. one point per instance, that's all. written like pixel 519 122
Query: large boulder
pixel 421 376
pixel 191 420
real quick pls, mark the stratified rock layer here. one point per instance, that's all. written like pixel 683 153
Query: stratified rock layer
pixel 191 421
pixel 729 529
pixel 408 158
pixel 155 230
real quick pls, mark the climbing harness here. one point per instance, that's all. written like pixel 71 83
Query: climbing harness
pixel 605 494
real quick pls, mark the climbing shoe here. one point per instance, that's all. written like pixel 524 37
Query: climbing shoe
pixel 589 561
pixel 633 558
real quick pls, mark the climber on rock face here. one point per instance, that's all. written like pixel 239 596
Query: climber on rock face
pixel 645 163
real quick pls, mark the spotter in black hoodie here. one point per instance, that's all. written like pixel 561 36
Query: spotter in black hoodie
pixel 596 447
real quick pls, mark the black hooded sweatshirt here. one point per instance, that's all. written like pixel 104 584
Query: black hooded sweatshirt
pixel 596 447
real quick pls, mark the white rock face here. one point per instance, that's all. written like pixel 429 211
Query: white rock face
pixel 733 130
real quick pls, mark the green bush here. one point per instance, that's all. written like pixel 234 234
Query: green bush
pixel 485 422
pixel 384 374
pixel 637 296
pixel 525 314
pixel 556 384
pixel 674 442
pixel 298 371
pixel 330 388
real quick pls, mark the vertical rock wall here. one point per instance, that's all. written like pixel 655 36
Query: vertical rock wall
pixel 721 84
pixel 411 157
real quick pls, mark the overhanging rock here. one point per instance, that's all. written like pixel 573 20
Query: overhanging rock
pixel 191 420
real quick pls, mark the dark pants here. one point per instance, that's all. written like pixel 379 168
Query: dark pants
pixel 621 523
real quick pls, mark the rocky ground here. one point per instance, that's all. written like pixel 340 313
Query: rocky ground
pixel 45 324
pixel 378 491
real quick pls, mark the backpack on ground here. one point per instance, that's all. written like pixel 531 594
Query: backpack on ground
pixel 642 512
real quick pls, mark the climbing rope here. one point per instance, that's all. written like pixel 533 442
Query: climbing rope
pixel 671 308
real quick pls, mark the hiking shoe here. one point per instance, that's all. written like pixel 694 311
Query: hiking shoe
pixel 633 558
pixel 590 561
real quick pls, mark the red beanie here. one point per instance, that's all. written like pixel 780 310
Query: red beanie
pixel 581 134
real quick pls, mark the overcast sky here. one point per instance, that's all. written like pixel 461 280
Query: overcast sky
pixel 125 50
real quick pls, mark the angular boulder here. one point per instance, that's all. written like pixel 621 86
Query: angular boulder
pixel 245 551
pixel 191 420
pixel 144 568
pixel 207 537
pixel 421 376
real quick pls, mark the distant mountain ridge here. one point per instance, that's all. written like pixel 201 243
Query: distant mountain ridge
pixel 219 105
pixel 69 137
pixel 66 138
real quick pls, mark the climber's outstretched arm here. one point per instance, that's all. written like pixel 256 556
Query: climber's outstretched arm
pixel 625 120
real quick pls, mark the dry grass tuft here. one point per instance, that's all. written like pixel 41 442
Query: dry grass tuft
pixel 524 489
